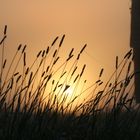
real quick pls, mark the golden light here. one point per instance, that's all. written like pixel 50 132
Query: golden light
pixel 69 90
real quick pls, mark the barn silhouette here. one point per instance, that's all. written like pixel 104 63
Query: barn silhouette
pixel 135 44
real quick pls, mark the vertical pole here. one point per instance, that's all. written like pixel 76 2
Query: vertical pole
pixel 135 44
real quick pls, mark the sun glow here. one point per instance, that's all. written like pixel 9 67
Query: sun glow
pixel 69 91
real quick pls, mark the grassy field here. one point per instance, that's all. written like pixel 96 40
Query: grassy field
pixel 35 105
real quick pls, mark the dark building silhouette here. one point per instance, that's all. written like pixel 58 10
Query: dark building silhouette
pixel 135 44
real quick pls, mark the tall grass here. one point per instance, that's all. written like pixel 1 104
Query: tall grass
pixel 34 104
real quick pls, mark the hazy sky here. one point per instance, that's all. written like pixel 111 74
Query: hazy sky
pixel 103 24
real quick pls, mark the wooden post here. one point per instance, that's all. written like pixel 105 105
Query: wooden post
pixel 135 44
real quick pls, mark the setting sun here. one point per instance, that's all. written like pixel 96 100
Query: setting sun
pixel 69 69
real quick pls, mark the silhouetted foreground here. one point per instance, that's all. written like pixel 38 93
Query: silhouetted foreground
pixel 52 126
pixel 30 111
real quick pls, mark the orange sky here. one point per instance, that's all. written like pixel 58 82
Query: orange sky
pixel 102 24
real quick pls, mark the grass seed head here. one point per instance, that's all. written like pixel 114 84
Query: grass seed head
pixel 61 41
pixel 24 48
pixel 56 60
pixel 76 78
pixel 83 48
pixel 27 70
pixel 71 52
pixel 18 78
pixel 69 58
pixel 43 53
pixel 54 41
pixel 116 62
pixel 16 74
pixel 47 51
pixel 55 52
pixel 127 56
pixel 74 71
pixel 4 63
pixel 24 59
pixel 63 74
pixel 3 39
pixel 101 72
pixel 5 29
pixel 19 47
pixel 83 70
pixel 43 74
pixel 39 53
pixel 78 56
